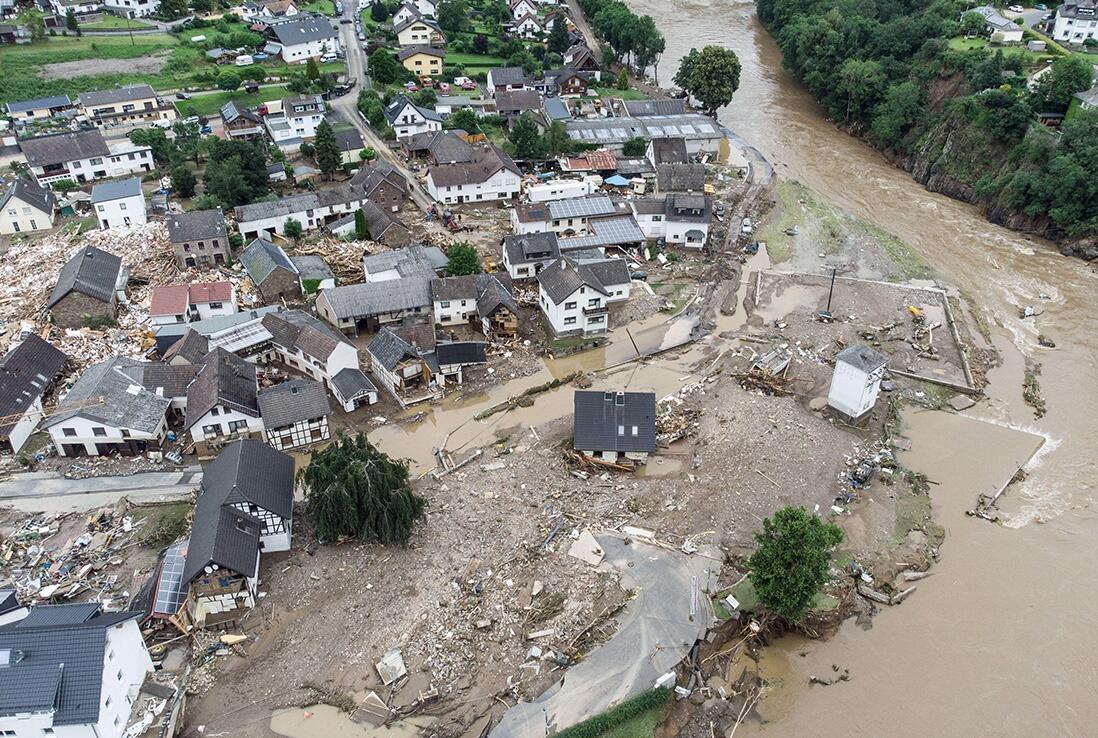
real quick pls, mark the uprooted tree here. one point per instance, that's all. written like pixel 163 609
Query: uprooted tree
pixel 354 490
pixel 790 564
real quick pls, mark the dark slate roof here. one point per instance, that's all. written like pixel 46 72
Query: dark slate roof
pixel 605 421
pixel 375 298
pixel 116 190
pixel 349 140
pixel 488 160
pixel 224 536
pixel 862 357
pixel 397 28
pixel 92 272
pixel 508 75
pixel 454 288
pixel 57 101
pixel 31 193
pixel 162 379
pixel 449 148
pixel 25 373
pixel 410 51
pixel 223 379
pixel 312 266
pixel 303 29
pixel 527 247
pixel 393 111
pixel 517 101
pixel 669 151
pixel 388 349
pixel 295 329
pixel 461 352
pixel 116 95
pixel 629 166
pixel 292 402
pixel 680 177
pixel 378 221
pixel 492 292
pixel 232 111
pixel 262 257
pixel 196 225
pixel 192 346
pixel 369 176
pixel 349 384
pixel 249 471
pixel 61 668
pixel 343 194
pixel 63 147
pixel 566 275
pixel 121 402
pixel 556 109
pixel 642 108
pixel 8 601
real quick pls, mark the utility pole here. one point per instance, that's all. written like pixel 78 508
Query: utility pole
pixel 831 290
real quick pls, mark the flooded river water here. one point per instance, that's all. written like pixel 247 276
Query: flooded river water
pixel 1000 641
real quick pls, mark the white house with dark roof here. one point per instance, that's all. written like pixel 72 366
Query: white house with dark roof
pixel 574 295
pixel 295 414
pixel 223 401
pixel 107 412
pixel 1076 21
pixel 70 670
pixel 27 372
pixel 293 121
pixel 125 107
pixel 407 119
pixel 856 380
pixel 26 207
pixel 506 78
pixel 308 345
pixel 526 254
pixel 119 204
pixel 84 156
pixel 619 427
pixel 528 26
pixel 311 209
pixel 679 218
pixel 302 37
pixel 37 109
pixel 1000 28
pixel 567 217
pixel 490 176
pixel 419 31
pixel 481 300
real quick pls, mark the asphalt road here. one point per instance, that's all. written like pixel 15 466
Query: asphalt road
pixel 50 492
pixel 655 632
pixel 346 106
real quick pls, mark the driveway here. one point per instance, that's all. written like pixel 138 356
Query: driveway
pixel 655 633
pixel 51 492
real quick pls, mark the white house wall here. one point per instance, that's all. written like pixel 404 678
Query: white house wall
pixel 22 430
pixel 125 663
pixel 222 420
pixel 503 185
pixel 277 531
pixel 124 212
pixel 86 436
pixel 19 217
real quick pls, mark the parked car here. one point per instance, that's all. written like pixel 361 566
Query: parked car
pixel 329 57
pixel 747 226
pixel 639 276
pixel 189 120
pixel 346 21
pixel 718 207
pixel 443 88
pixel 1016 9
pixel 182 96
pixel 469 85
pixel 1040 6
pixel 205 130
pixel 260 56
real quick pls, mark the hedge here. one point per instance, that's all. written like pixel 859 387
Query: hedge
pixel 596 726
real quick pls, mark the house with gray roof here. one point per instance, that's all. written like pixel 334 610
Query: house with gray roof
pixel 295 414
pixel 856 381
pixel 38 109
pixel 125 107
pixel 311 210
pixel 271 271
pixel 680 178
pixel 199 239
pixel 501 79
pixel 526 254
pixel 313 273
pixel 83 156
pixel 482 300
pixel 352 389
pixel 381 226
pixel 27 373
pixel 222 402
pixel 701 133
pixel 490 175
pixel 87 289
pixel 302 37
pixel 26 207
pixel 107 412
pixel 119 204
pixel 404 362
pixel 382 184
pixel 679 218
pixel 574 295
pixel 646 108
pixel 408 119
pixel 70 670
pixel 617 427
pixel 308 345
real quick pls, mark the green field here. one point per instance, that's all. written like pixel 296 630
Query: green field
pixel 210 104
pixel 114 23
pixel 475 60
pixel 324 7
pixel 623 94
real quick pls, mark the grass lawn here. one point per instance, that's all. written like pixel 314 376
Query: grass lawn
pixel 638 726
pixel 744 592
pixel 325 7
pixel 623 94
pixel 114 23
pixel 475 60
pixel 210 104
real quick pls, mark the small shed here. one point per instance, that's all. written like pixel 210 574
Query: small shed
pixel 856 381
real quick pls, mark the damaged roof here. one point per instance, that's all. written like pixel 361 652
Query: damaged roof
pixel 25 373
pixel 106 393
pixel 862 357
pixel 92 272
pixel 615 421
pixel 527 247
pixel 299 331
pixel 262 257
pixel 223 379
pixel 197 225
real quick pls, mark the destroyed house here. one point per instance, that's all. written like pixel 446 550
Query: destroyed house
pixel 355 307
pixel 87 289
pixel 271 271
pixel 164 380
pixel 856 380
pixel 199 238
pixel 308 345
pixel 223 401
pixel 70 670
pixel 381 226
pixel 667 151
pixel 405 363
pixel 526 254
pixel 26 373
pixel 295 413
pixel 313 273
pixel 478 299
pixel 617 427
pixel 106 412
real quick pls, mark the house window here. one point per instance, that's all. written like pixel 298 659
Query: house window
pixel 211 430
pixel 121 206
pixel 570 305
pixel 215 412
pixel 119 675
pixel 217 305
pixel 595 319
pixel 99 431
pixel 445 304
pixel 70 432
pixel 108 702
pixel 570 321
pixel 593 302
pixel 235 425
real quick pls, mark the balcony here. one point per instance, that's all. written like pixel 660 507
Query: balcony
pixel 597 310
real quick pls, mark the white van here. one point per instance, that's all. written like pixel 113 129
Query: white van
pixel 328 57
pixel 244 60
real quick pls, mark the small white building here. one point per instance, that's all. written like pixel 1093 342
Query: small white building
pixel 407 119
pixel 856 380
pixel 520 8
pixel 406 12
pixel 132 8
pixel 184 303
pixel 70 670
pixel 223 402
pixel 561 189
pixel 680 218
pixel 119 204
pixel 1076 21
pixel 418 31
pixel 526 254
pixel 528 26
pixel 295 414
pixel 26 373
pixel 1001 29
pixel 26 207
pixel 574 295
pixel 491 175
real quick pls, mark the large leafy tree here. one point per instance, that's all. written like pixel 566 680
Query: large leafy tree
pixel 326 149
pixel 1054 91
pixel 452 15
pixel 526 138
pixel 236 173
pixel 558 36
pixel 466 120
pixel 354 490
pixel 183 181
pixel 862 83
pixel 711 76
pixel 383 68
pixel 463 260
pixel 790 564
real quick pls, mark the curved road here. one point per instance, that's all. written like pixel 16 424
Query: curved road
pixel 347 106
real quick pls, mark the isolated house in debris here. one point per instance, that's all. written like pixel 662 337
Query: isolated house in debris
pixel 404 364
pixel 106 412
pixel 26 207
pixel 245 507
pixel 295 413
pixel 70 670
pixel 119 204
pixel 199 238
pixel 856 380
pixel 271 271
pixel 87 289
pixel 482 300
pixel 223 401
pixel 183 303
pixel 615 426
pixel 26 373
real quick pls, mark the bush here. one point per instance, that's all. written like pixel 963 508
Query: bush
pixel 99 322
pixel 612 718
pixel 168 525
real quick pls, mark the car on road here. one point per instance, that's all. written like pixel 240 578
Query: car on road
pixel 1040 6
pixel 747 227
pixel 205 130
pixel 1016 9
pixel 362 36
pixel 182 96
pixel 639 275
pixel 346 21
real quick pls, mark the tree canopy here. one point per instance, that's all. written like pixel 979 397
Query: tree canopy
pixel 711 76
pixel 354 490
pixel 326 150
pixel 463 260
pixel 236 173
pixel 526 137
pixel 790 565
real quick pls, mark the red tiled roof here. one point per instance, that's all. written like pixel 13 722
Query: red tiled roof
pixel 173 299
pixel 211 292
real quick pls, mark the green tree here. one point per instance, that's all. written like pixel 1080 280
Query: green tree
pixel 1055 90
pixel 711 75
pixel 623 79
pixel 862 83
pixel 354 490
pixel 291 228
pixel 188 140
pixel 425 98
pixel 790 564
pixel 326 149
pixel 299 84
pixel 526 138
pixel 379 12
pixel 634 146
pixel 183 181
pixel 236 171
pixel 384 69
pixel 228 79
pixel 902 108
pixel 558 36
pixel 557 140
pixel 312 70
pixel 648 45
pixel 480 44
pixel 973 24
pixel 362 230
pixel 463 260
pixel 452 15
pixel 70 21
pixel 172 9
pixel 36 25
pixel 466 120
pixel 156 139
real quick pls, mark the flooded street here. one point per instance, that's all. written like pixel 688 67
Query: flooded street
pixel 999 640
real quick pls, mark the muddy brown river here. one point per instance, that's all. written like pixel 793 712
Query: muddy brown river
pixel 1001 639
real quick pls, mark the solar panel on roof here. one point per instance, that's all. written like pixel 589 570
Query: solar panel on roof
pixel 686 129
pixel 706 128
pixel 170 588
pixel 619 132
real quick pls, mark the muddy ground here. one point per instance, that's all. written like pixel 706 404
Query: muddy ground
pixel 150 64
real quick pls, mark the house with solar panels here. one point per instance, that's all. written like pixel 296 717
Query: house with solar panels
pixel 69 670
pixel 701 133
